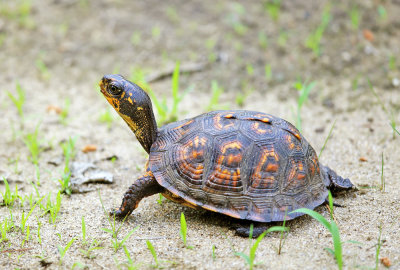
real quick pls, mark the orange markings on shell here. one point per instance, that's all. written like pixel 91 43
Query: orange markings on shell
pixel 301 176
pixel 219 125
pixel 184 124
pixel 234 144
pixel 255 127
pixel 265 120
pixel 272 167
pixel 297 135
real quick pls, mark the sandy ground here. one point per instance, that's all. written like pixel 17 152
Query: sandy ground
pixel 79 41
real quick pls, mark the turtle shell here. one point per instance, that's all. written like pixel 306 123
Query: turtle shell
pixel 245 164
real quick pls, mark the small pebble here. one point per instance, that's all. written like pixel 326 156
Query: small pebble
pixel 395 82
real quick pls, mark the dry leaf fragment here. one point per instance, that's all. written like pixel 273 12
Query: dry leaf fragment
pixel 368 35
pixel 89 148
pixel 54 108
pixel 386 262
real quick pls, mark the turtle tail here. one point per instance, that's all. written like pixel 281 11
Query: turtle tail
pixel 334 182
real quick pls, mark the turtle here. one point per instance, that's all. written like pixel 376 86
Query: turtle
pixel 252 166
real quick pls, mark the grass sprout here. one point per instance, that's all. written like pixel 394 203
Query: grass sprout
pixel 304 90
pixel 69 152
pixel 388 113
pixel 31 141
pixel 9 197
pixel 382 13
pixel 166 113
pixel 65 183
pixel 327 138
pixel 153 252
pixel 84 240
pixel 53 208
pixel 6 226
pixel 88 253
pixel 113 230
pixel 395 130
pixel 183 231
pixel 234 19
pixel 268 71
pixel 18 100
pixel 106 118
pixel 273 7
pixel 64 250
pixel 24 218
pixel 130 265
pixel 216 93
pixel 65 112
pixel 213 252
pixel 378 248
pixel 355 17
pixel 43 69
pixel 331 226
pixel 313 41
pixel 250 258
pixel 19 11
pixel 262 40
pixel 283 235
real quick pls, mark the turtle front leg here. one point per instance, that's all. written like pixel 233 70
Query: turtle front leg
pixel 143 187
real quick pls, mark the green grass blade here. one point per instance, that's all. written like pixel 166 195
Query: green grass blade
pixel 305 92
pixel 371 87
pixel 83 230
pixel 152 251
pixel 395 130
pixel 277 229
pixel 128 235
pixel 337 244
pixel 253 249
pixel 330 200
pixel 327 138
pixel 314 215
pixel 183 231
pixel 244 256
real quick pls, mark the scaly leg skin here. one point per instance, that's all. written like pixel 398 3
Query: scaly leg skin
pixel 143 187
pixel 244 229
pixel 335 183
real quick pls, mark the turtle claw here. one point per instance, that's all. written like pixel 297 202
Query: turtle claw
pixel 118 214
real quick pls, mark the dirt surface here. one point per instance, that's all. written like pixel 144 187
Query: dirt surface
pixel 58 51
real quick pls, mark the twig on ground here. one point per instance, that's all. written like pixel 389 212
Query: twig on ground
pixel 185 68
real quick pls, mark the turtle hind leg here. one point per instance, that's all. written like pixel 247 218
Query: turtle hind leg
pixel 334 182
pixel 243 229
pixel 143 187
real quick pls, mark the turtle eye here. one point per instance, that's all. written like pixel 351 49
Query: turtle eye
pixel 114 90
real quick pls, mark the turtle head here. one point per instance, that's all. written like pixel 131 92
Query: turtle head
pixel 134 106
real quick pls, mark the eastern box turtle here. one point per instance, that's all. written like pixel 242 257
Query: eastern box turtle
pixel 244 164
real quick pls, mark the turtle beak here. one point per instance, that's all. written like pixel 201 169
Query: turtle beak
pixel 103 85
